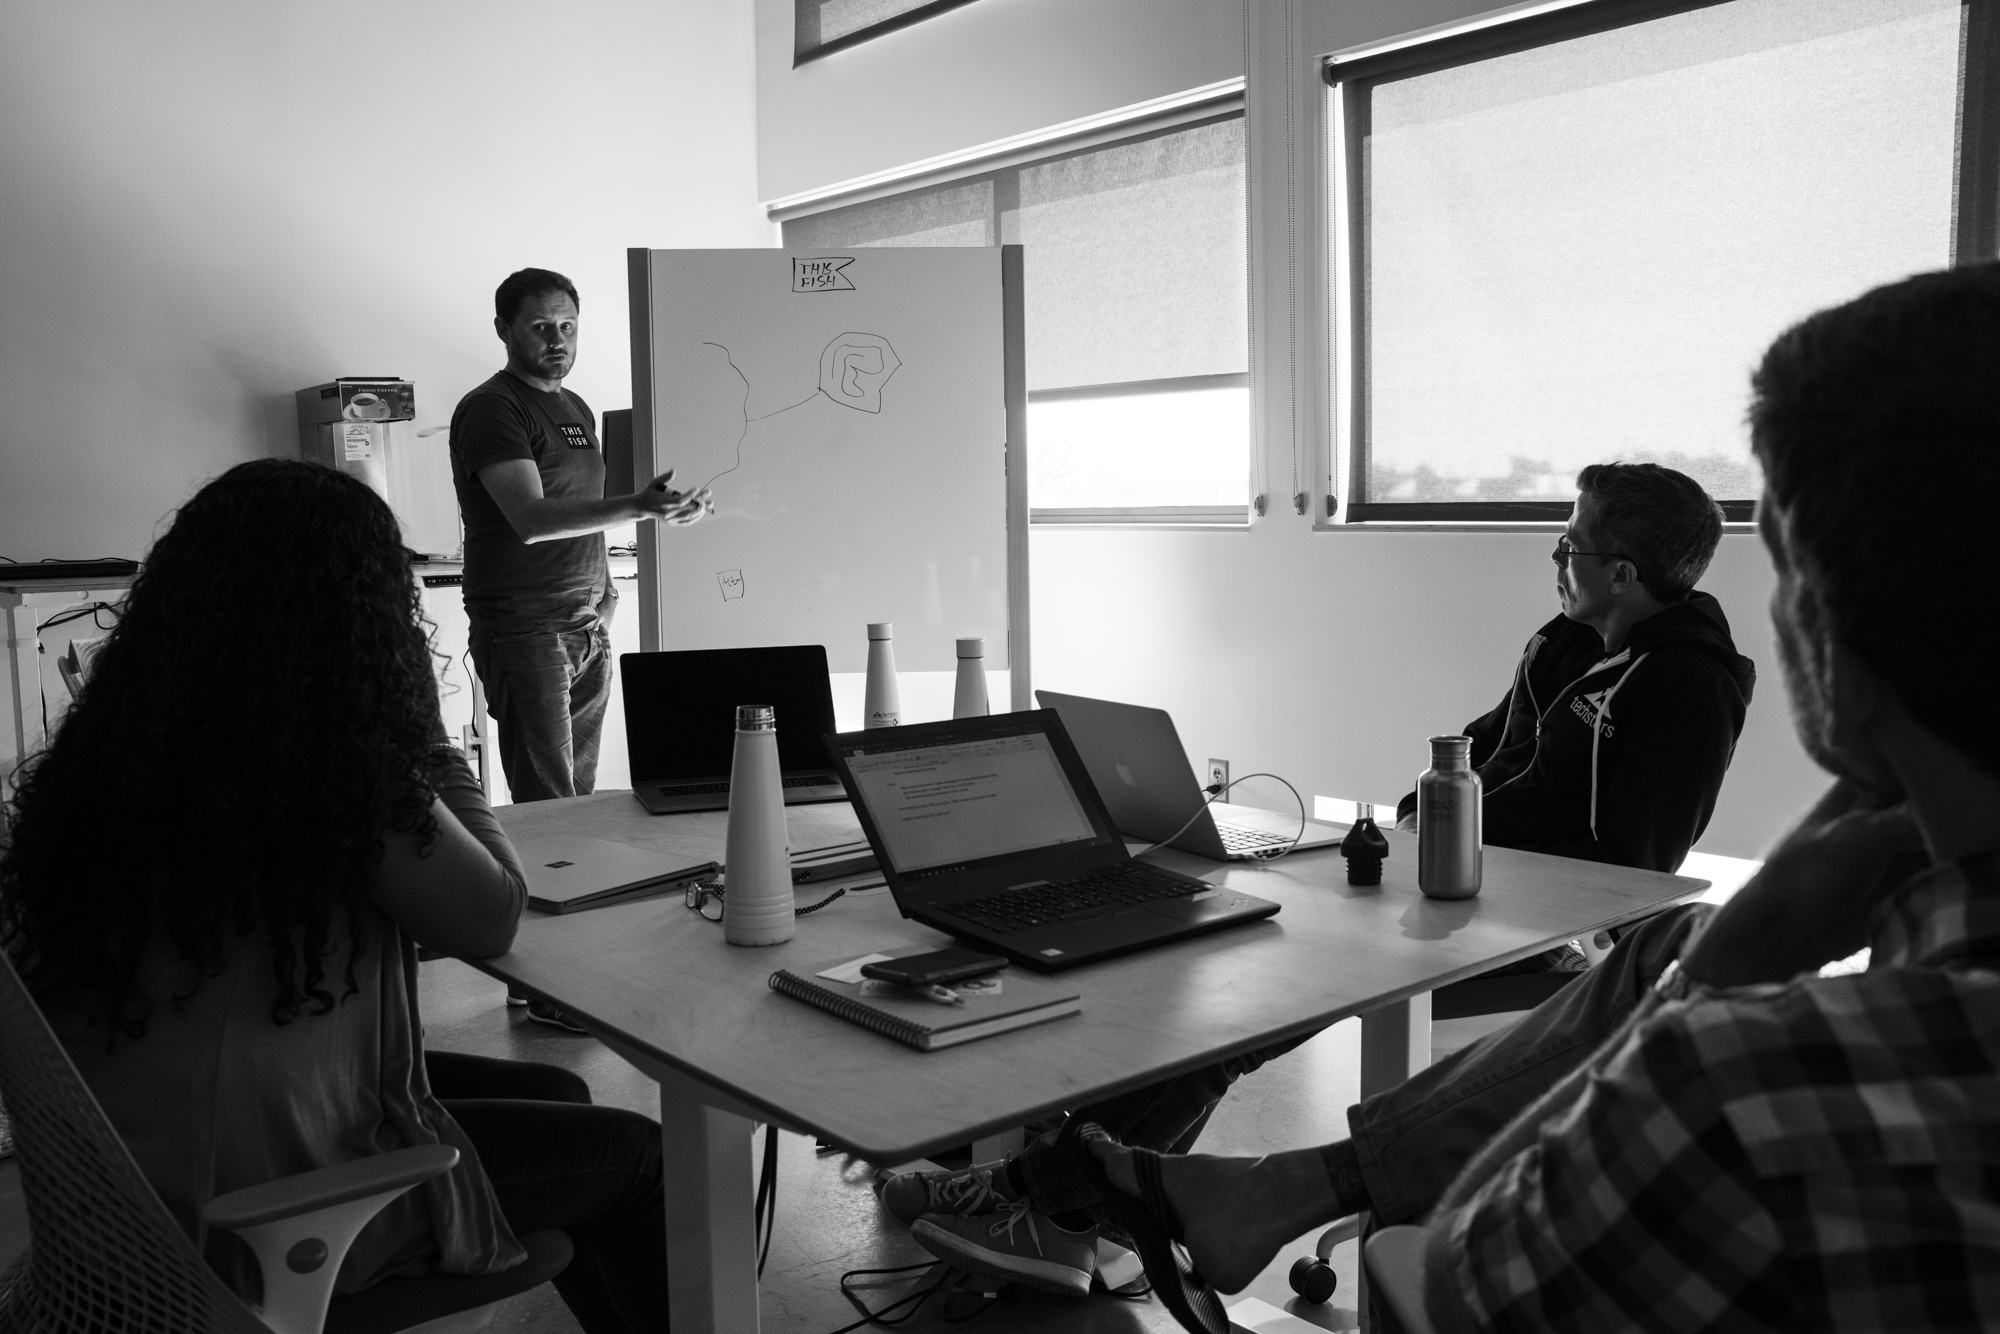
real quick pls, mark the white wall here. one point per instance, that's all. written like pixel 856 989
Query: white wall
pixel 1325 656
pixel 208 204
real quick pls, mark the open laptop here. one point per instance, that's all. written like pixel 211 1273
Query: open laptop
pixel 680 722
pixel 1136 759
pixel 990 829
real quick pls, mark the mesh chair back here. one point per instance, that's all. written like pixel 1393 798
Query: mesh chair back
pixel 104 1254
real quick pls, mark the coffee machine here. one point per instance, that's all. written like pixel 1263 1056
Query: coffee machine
pixel 365 425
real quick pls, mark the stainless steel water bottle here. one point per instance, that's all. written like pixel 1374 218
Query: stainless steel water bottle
pixel 1448 802
pixel 882 704
pixel 968 700
pixel 757 907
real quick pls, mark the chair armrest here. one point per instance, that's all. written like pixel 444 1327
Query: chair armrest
pixel 288 1197
pixel 300 1226
pixel 1395 1260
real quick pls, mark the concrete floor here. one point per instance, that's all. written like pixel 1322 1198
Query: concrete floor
pixel 828 1218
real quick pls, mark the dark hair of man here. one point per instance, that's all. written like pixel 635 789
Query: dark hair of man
pixel 518 287
pixel 1878 425
pixel 1662 519
pixel 258 719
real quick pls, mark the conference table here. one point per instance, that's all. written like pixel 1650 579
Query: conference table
pixel 658 985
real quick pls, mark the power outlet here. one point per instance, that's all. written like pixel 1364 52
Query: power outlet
pixel 1218 774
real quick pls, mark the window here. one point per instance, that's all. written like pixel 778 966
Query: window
pixel 1567 240
pixel 1135 314
pixel 821 27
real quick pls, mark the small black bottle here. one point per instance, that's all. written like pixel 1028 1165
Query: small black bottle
pixel 1365 848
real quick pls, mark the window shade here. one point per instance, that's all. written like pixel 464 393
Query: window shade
pixel 1576 252
pixel 1133 253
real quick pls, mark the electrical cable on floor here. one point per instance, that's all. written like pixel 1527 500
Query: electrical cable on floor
pixel 951 1282
pixel 1216 791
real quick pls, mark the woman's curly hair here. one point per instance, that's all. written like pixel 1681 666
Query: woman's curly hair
pixel 255 723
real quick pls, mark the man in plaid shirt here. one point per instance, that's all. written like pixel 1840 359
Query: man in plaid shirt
pixel 1758 1147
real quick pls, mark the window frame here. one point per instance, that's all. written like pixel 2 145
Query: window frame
pixel 1350 79
pixel 1213 107
pixel 802 55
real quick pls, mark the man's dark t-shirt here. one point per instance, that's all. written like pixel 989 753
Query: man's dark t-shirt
pixel 512 586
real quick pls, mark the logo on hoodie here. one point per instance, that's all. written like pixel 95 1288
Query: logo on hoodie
pixel 1590 708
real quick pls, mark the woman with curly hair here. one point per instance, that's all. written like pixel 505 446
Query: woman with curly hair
pixel 217 877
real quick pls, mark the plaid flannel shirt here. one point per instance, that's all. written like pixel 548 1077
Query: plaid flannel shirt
pixel 1822 1154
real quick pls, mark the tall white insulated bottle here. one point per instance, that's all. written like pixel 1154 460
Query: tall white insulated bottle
pixel 757 908
pixel 969 699
pixel 882 705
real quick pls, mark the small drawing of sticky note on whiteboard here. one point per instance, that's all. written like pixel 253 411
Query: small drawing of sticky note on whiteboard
pixel 732 583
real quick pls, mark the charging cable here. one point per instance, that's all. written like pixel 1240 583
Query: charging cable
pixel 1216 791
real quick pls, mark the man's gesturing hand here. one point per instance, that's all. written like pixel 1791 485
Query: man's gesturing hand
pixel 1810 903
pixel 658 499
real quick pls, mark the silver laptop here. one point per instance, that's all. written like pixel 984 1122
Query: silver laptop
pixel 569 872
pixel 1136 759
pixel 990 828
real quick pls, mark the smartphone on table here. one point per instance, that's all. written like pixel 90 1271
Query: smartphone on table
pixel 934 969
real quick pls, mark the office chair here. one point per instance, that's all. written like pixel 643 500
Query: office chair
pixel 1395 1260
pixel 104 1254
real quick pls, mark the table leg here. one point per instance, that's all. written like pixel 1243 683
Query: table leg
pixel 711 1234
pixel 992 1148
pixel 24 678
pixel 1395 1043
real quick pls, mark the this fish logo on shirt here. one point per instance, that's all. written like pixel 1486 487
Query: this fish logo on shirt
pixel 575 436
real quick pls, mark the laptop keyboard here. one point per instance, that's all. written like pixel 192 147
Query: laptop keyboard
pixel 697 789
pixel 1240 838
pixel 1039 905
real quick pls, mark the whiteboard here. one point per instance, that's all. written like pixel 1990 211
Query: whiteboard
pixel 850 413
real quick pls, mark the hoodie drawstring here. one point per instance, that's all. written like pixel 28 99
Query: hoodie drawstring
pixel 1597 734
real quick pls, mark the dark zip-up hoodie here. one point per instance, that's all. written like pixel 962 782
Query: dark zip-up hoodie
pixel 1614 758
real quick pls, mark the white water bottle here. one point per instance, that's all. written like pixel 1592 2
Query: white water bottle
pixel 757 907
pixel 968 700
pixel 882 705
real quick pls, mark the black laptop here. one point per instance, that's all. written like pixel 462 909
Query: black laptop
pixel 990 829
pixel 680 722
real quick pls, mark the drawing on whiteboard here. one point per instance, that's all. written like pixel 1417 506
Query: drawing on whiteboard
pixel 852 370
pixel 731 582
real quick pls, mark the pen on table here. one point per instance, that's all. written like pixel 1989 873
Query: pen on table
pixel 942 995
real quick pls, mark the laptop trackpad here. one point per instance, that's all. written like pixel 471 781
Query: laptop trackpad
pixel 1114 930
pixel 1202 907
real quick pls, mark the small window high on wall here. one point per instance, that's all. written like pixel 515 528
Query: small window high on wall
pixel 821 27
pixel 1137 336
pixel 1567 240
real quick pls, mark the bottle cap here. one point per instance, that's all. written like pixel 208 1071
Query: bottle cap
pixel 1454 746
pixel 881 629
pixel 756 718
pixel 972 648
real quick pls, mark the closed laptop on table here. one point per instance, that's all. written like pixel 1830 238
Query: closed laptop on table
pixel 680 722
pixel 990 829
pixel 1135 756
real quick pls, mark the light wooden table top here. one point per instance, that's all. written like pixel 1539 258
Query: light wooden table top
pixel 660 979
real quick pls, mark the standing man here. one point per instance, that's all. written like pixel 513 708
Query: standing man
pixel 530 480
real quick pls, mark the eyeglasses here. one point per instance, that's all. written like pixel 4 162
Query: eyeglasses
pixel 699 894
pixel 1564 551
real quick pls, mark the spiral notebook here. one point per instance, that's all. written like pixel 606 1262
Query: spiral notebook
pixel 999 1004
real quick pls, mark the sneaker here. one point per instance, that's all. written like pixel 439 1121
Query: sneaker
pixel 544 1013
pixel 1018 1243
pixel 516 998
pixel 973 1190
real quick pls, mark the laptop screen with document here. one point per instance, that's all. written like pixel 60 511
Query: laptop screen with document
pixel 947 800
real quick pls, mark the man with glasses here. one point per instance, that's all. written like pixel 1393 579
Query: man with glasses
pixel 1610 745
pixel 1612 740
